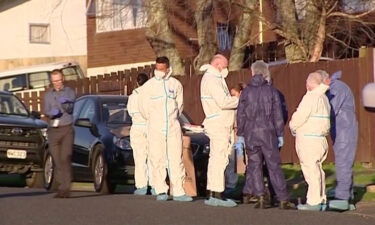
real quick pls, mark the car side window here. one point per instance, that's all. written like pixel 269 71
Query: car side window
pixel 88 111
pixel 77 107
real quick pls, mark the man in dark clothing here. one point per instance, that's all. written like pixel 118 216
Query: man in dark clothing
pixel 260 122
pixel 58 107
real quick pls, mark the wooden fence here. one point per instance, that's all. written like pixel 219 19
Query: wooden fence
pixel 288 78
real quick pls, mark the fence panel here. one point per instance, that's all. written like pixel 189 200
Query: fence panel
pixel 289 79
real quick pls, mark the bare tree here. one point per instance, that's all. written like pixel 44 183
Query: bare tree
pixel 242 36
pixel 159 34
pixel 206 32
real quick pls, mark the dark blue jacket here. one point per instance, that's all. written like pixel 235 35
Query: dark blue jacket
pixel 259 115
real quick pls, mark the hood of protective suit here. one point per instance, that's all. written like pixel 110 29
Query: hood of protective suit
pixel 160 75
pixel 258 80
pixel 336 75
pixel 208 68
pixel 321 89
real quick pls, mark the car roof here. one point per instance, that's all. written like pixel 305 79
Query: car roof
pixel 37 68
pixel 104 97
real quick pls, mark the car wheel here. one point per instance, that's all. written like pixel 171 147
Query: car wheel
pixel 35 180
pixel 100 172
pixel 49 179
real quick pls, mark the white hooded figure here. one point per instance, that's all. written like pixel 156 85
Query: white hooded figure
pixel 161 104
pixel 310 124
pixel 138 140
pixel 219 108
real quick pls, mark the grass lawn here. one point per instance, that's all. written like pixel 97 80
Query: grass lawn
pixel 297 186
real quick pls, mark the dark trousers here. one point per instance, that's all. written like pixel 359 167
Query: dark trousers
pixel 61 147
pixel 254 172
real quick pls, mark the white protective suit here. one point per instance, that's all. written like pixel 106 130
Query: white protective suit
pixel 161 104
pixel 219 108
pixel 138 141
pixel 311 124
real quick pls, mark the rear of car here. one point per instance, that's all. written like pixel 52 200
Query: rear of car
pixel 22 140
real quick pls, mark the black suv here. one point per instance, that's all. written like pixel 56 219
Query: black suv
pixel 22 140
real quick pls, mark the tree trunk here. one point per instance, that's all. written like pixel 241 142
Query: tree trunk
pixel 289 23
pixel 319 39
pixel 241 39
pixel 159 34
pixel 206 31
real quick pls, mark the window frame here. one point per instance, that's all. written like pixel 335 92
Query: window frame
pixel 47 25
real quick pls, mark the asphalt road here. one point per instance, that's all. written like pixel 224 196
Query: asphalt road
pixel 23 206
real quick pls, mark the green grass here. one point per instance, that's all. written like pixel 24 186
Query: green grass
pixel 297 187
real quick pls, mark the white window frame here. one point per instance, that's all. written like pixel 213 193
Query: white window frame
pixel 48 31
pixel 118 15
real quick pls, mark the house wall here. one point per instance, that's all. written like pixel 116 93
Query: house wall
pixel 120 50
pixel 67 20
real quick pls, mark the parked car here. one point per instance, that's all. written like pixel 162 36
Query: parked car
pixel 102 153
pixel 22 140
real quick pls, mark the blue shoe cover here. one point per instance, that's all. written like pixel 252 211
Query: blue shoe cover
pixel 141 191
pixel 318 207
pixel 220 202
pixel 339 205
pixel 162 197
pixel 182 198
pixel 153 192
pixel 352 207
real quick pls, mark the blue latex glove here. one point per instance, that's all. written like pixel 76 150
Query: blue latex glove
pixel 55 113
pixel 239 148
pixel 63 99
pixel 240 140
pixel 281 141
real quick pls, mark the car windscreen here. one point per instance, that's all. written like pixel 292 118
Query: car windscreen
pixel 14 83
pixel 115 113
pixel 11 105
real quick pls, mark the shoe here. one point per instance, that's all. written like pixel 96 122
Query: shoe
pixel 141 191
pixel 182 198
pixel 153 192
pixel 220 202
pixel 286 205
pixel 338 205
pixel 318 207
pixel 162 197
pixel 262 203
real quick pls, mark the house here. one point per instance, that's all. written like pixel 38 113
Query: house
pixel 41 31
pixel 116 37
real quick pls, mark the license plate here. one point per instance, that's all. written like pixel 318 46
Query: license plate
pixel 16 154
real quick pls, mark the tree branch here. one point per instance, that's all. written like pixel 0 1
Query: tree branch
pixel 341 42
pixel 351 16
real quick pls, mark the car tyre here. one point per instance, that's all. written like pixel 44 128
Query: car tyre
pixel 49 173
pixel 100 172
pixel 35 180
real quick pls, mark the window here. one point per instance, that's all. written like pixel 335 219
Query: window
pixel 39 33
pixel 38 80
pixel 77 107
pixel 88 112
pixel 14 83
pixel 113 15
pixel 224 36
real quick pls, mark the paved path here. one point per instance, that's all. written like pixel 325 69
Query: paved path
pixel 23 206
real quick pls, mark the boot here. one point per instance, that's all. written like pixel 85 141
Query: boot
pixel 262 203
pixel 286 205
pixel 249 199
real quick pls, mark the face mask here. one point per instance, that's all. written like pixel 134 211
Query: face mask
pixel 224 72
pixel 159 74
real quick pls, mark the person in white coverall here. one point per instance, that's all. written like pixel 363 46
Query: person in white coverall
pixel 161 104
pixel 311 124
pixel 138 140
pixel 219 108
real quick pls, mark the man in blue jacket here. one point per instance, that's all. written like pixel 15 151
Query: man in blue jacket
pixel 344 134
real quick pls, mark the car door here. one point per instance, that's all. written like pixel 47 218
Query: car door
pixel 83 137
